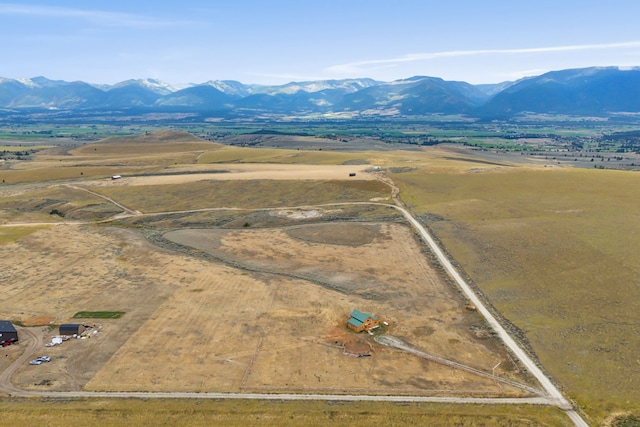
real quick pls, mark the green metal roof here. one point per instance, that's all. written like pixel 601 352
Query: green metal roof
pixel 358 315
pixel 355 322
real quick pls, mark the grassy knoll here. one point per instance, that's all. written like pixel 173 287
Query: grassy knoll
pixel 130 148
pixel 555 250
pixel 134 412
pixel 243 194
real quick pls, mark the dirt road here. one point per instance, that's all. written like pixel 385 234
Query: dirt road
pixel 34 342
pixel 552 391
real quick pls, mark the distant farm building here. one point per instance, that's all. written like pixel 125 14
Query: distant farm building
pixel 360 321
pixel 116 176
pixel 8 333
pixel 71 329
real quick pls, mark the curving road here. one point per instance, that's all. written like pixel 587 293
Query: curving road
pixel 33 344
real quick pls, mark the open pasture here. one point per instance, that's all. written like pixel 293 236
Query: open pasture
pixel 240 413
pixel 555 251
pixel 262 323
pixel 253 194
pixel 282 156
pixel 275 322
pixel 52 203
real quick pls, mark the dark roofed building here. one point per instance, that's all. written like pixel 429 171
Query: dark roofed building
pixel 8 332
pixel 360 321
pixel 71 329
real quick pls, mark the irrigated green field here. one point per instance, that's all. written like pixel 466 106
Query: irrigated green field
pixel 556 252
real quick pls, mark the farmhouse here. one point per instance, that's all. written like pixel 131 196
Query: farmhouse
pixel 360 321
pixel 8 333
pixel 71 329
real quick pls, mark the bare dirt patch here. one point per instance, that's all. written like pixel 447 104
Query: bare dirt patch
pixel 298 213
pixel 39 321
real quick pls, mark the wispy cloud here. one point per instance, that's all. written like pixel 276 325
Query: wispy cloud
pixel 361 66
pixel 97 17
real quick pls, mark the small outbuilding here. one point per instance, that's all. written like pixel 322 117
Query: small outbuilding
pixel 359 321
pixel 8 333
pixel 71 329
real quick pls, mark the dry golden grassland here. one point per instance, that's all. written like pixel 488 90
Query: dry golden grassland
pixel 252 194
pixel 114 156
pixel 266 324
pixel 21 174
pixel 12 234
pixel 53 203
pixel 231 413
pixel 556 252
pixel 281 156
pixel 249 309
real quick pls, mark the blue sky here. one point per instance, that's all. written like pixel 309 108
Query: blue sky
pixel 278 41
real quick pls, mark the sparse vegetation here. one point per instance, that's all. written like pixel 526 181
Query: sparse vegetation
pixel 553 251
pixel 9 235
pixel 251 194
pixel 201 412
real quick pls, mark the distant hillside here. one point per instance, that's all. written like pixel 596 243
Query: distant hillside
pixel 168 136
pixel 588 91
pixel 596 91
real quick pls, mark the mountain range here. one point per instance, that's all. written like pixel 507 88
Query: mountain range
pixel 594 91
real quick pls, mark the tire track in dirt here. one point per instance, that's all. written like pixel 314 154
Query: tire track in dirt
pixel 126 210
pixel 34 341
